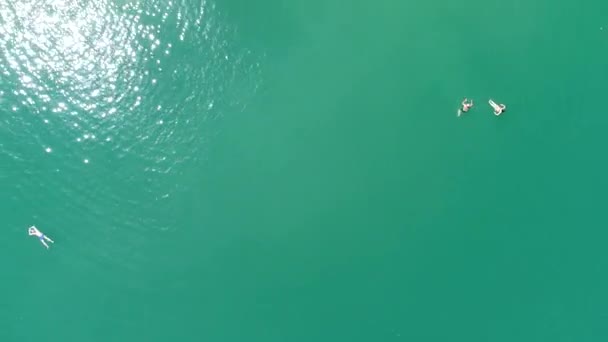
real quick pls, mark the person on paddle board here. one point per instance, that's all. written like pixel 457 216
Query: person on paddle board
pixel 43 238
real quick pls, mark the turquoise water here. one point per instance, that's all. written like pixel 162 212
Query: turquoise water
pixel 295 171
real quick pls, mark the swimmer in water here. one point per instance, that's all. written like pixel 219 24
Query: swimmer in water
pixel 498 108
pixel 43 238
pixel 465 106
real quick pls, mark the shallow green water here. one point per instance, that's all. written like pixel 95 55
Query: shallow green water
pixel 295 171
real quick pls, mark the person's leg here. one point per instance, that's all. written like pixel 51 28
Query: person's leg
pixel 48 239
pixel 44 243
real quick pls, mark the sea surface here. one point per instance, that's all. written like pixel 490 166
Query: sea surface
pixel 231 170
